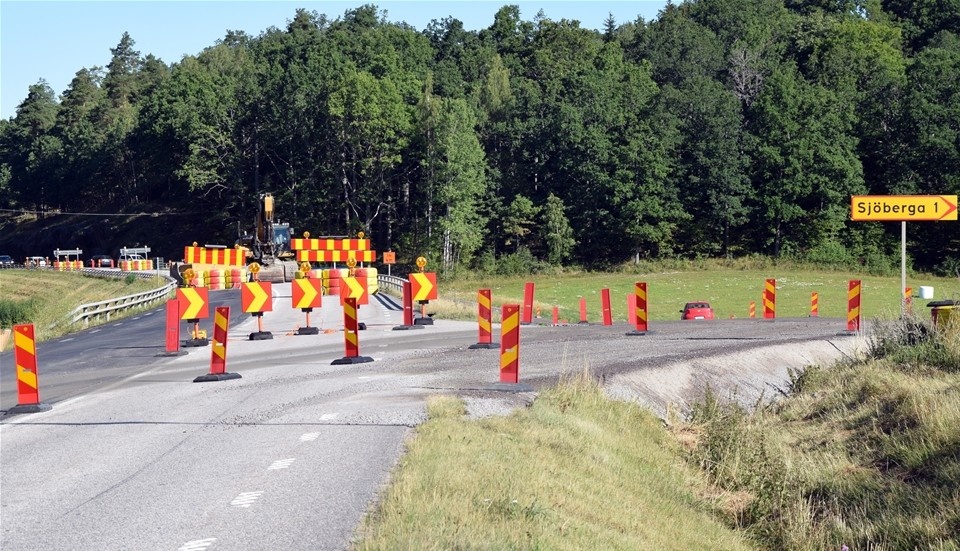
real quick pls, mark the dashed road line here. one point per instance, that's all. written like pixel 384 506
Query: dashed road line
pixel 329 416
pixel 197 545
pixel 281 464
pixel 246 499
pixel 310 437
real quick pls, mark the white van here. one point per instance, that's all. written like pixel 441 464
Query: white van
pixel 130 257
pixel 36 262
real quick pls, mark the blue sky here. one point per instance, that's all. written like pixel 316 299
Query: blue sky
pixel 53 40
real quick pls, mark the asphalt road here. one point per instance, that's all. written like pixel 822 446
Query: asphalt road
pixel 134 455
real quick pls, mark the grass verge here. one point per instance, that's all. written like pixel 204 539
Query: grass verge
pixel 45 297
pixel 575 471
pixel 865 453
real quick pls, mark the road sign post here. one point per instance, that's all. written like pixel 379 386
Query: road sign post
pixel 903 209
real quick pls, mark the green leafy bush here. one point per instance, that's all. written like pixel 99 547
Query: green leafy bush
pixel 13 312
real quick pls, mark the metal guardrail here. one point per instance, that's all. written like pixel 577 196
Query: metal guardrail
pixel 94 310
pixel 391 283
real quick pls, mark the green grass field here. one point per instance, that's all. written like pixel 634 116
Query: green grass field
pixel 730 292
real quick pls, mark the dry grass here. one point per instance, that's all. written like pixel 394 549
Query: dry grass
pixel 54 294
pixel 575 471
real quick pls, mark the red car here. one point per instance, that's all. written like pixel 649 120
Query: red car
pixel 696 311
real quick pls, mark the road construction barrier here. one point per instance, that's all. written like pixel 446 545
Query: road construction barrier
pixel 853 305
pixel 605 306
pixel 135 265
pixel 510 343
pixel 67 265
pixel 222 257
pixel 640 309
pixel 25 360
pixel 351 335
pixel 484 320
pixel 583 310
pixel 814 304
pixel 753 310
pixel 218 349
pixel 770 299
pixel 526 316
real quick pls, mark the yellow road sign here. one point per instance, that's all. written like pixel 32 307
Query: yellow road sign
pixel 902 208
pixel 255 296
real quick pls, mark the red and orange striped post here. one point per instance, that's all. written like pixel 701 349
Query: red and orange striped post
pixel 814 304
pixel 527 317
pixel 510 343
pixel 640 309
pixel 351 335
pixel 908 300
pixel 770 299
pixel 218 349
pixel 753 309
pixel 28 382
pixel 853 305
pixel 605 306
pixel 583 310
pixel 484 321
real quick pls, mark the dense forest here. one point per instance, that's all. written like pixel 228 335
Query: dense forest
pixel 722 128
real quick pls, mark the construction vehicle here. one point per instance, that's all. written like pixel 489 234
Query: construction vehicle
pixel 269 245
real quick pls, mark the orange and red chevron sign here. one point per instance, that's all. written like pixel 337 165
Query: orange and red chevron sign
pixel 193 303
pixel 423 286
pixel 256 296
pixel 306 293
pixel 354 287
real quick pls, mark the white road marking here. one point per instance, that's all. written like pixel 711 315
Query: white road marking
pixel 150 314
pixel 136 318
pixel 310 437
pixel 281 464
pixel 363 377
pixel 246 499
pixel 67 339
pixel 197 545
pixel 329 416
pixel 95 331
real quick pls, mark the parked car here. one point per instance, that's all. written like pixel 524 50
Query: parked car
pixel 6 261
pixel 125 257
pixel 696 311
pixel 101 261
pixel 36 262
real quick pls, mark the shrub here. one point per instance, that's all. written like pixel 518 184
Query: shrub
pixel 13 312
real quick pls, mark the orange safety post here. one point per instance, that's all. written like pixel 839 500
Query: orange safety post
pixel 770 299
pixel 351 335
pixel 527 316
pixel 218 349
pixel 408 321
pixel 853 305
pixel 510 344
pixel 556 316
pixel 640 309
pixel 484 320
pixel 753 309
pixel 28 382
pixel 814 304
pixel 605 306
pixel 173 329
pixel 583 310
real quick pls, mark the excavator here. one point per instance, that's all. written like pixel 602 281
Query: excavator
pixel 269 245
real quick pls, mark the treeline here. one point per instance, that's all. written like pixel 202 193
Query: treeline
pixel 721 128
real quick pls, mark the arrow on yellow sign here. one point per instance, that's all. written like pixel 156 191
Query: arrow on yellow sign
pixel 306 293
pixel 902 208
pixel 193 303
pixel 354 287
pixel 423 286
pixel 255 296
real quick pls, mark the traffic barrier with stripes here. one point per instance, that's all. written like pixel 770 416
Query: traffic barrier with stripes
pixel 336 256
pixel 221 257
pixel 814 304
pixel 67 265
pixel 853 305
pixel 300 244
pixel 640 309
pixel 135 265
pixel 351 335
pixel 25 361
pixel 770 299
pixel 218 350
pixel 510 344
pixel 484 320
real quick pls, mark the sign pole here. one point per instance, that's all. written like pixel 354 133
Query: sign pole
pixel 903 268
